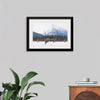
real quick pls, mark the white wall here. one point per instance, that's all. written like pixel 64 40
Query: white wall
pixel 56 69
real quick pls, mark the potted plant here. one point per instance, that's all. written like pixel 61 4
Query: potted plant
pixel 14 91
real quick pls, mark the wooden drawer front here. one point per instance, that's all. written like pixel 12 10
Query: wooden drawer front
pixel 90 90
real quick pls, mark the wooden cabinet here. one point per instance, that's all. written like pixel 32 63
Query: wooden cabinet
pixel 84 92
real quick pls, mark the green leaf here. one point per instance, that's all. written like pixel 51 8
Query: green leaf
pixel 4 95
pixel 25 79
pixel 27 95
pixel 18 98
pixel 35 83
pixel 11 87
pixel 7 94
pixel 36 94
pixel 7 86
pixel 17 89
pixel 17 81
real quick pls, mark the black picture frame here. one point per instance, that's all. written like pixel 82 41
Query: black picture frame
pixel 29 34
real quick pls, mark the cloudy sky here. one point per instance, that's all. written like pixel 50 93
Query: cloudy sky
pixel 41 26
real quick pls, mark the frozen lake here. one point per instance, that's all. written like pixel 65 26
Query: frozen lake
pixel 50 45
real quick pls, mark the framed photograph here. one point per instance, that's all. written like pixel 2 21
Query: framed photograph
pixel 49 34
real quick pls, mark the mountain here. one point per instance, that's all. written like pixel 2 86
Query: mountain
pixel 35 34
pixel 58 31
pixel 53 31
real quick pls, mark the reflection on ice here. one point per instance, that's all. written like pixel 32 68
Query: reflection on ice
pixel 50 45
